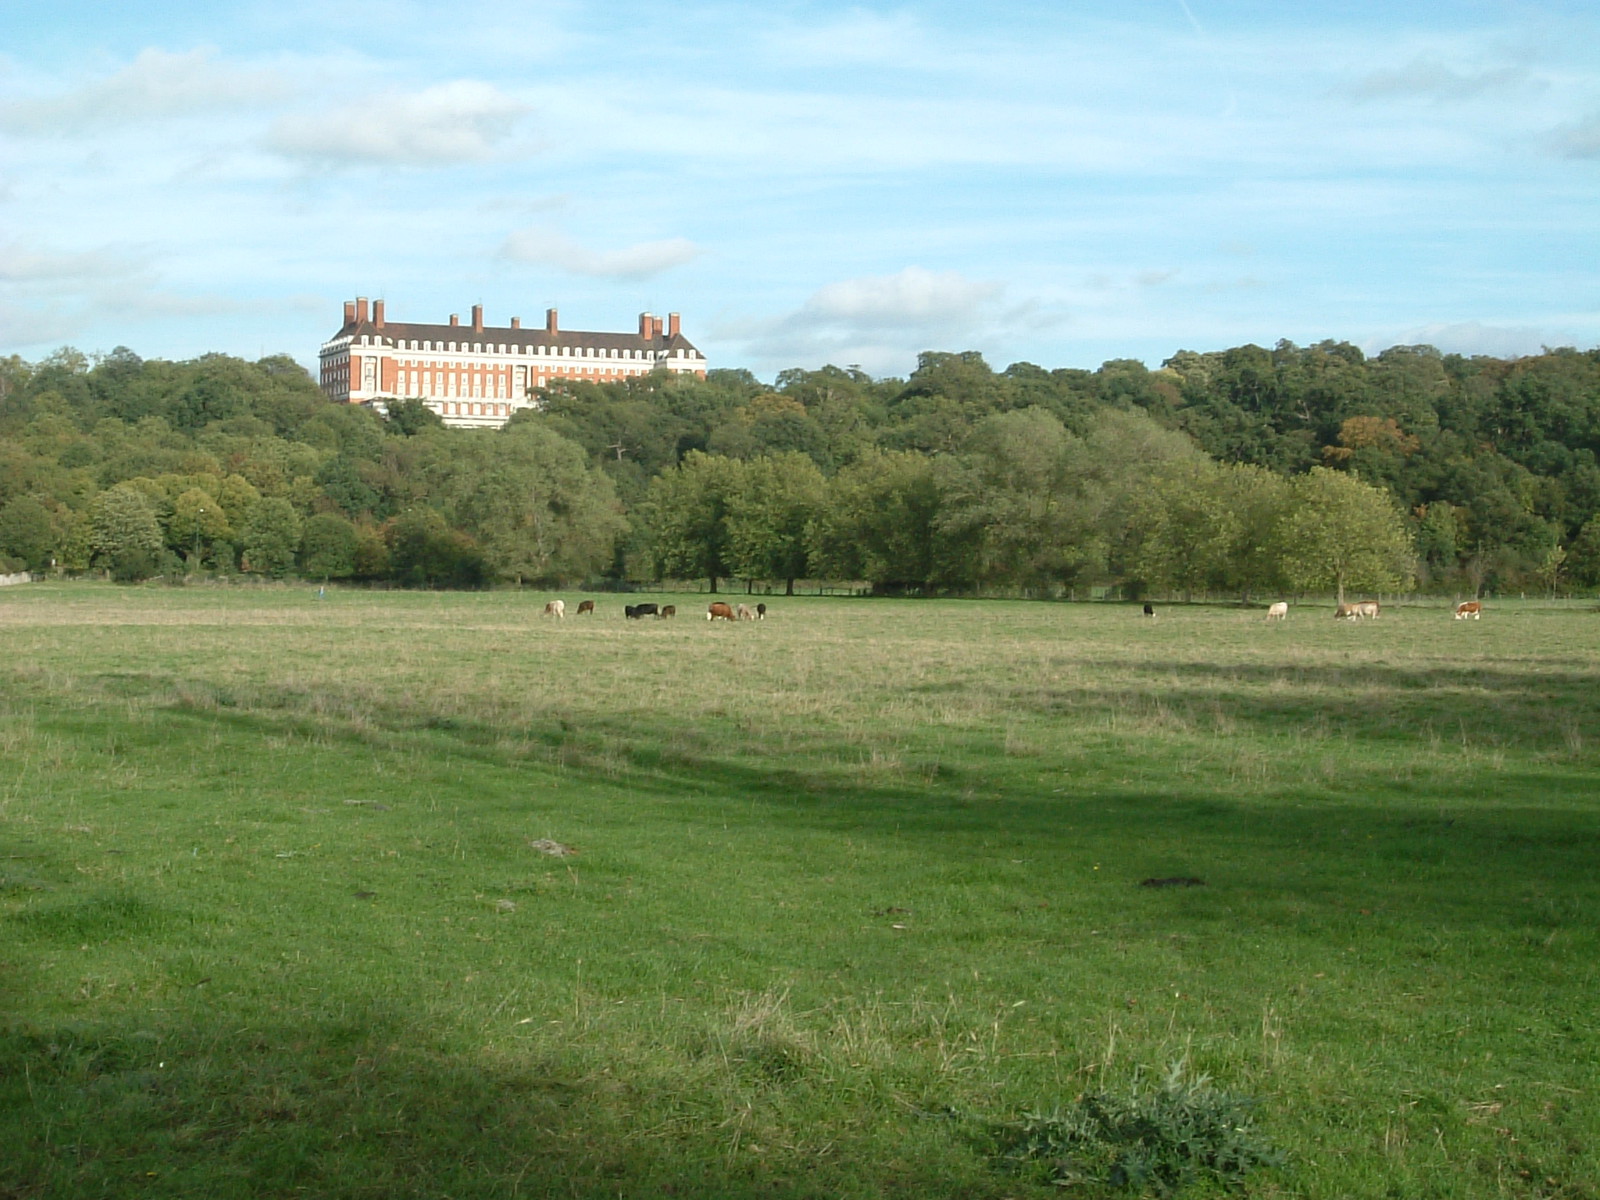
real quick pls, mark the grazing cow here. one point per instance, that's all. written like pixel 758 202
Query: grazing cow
pixel 1367 608
pixel 556 608
pixel 761 612
pixel 1150 610
pixel 1346 612
pixel 719 611
pixel 746 613
pixel 1469 608
pixel 1278 611
pixel 636 612
pixel 668 610
pixel 585 606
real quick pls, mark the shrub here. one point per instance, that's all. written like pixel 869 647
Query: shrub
pixel 1154 1141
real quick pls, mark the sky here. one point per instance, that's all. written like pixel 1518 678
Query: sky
pixel 806 183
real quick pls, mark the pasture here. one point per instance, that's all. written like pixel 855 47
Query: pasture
pixel 415 894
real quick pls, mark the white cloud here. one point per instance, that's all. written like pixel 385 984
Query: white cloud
pixel 1429 78
pixel 878 322
pixel 1581 139
pixel 21 264
pixel 1470 337
pixel 640 261
pixel 914 298
pixel 155 85
pixel 450 123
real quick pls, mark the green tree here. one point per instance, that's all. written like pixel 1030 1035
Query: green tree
pixel 270 537
pixel 197 521
pixel 125 536
pixel 776 500
pixel 328 547
pixel 686 514
pixel 879 522
pixel 1343 533
pixel 27 534
pixel 529 497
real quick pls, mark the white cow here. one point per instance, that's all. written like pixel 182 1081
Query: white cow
pixel 556 608
pixel 746 613
pixel 1367 608
pixel 1279 611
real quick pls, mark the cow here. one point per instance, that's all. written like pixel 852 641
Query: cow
pixel 1469 608
pixel 1367 608
pixel 585 606
pixel 719 611
pixel 761 612
pixel 1150 611
pixel 555 608
pixel 1278 611
pixel 668 610
pixel 1346 612
pixel 637 612
pixel 746 613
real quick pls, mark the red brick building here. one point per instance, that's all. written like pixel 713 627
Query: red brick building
pixel 477 375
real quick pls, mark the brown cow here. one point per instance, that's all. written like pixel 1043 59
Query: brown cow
pixel 1469 608
pixel 1346 612
pixel 668 610
pixel 585 606
pixel 719 611
pixel 746 613
pixel 1367 608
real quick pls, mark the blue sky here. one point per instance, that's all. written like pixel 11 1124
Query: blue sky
pixel 1058 183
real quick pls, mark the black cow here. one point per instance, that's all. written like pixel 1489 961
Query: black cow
pixel 638 611
pixel 761 612
pixel 1149 610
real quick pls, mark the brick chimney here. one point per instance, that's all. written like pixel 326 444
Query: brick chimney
pixel 516 322
pixel 477 318
pixel 349 312
pixel 672 324
pixel 550 322
pixel 455 318
pixel 377 313
pixel 361 309
pixel 647 326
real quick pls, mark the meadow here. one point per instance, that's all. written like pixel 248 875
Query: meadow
pixel 422 894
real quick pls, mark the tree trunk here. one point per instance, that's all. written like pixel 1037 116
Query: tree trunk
pixel 788 588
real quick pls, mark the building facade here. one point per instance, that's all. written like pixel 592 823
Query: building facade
pixel 477 375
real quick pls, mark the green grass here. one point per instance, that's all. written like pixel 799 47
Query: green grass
pixel 853 886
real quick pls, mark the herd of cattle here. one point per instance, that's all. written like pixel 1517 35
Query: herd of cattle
pixel 722 611
pixel 637 612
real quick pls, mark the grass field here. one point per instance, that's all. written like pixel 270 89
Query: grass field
pixel 851 887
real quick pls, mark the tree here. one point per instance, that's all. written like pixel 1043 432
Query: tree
pixel 879 523
pixel 530 499
pixel 686 513
pixel 197 520
pixel 1343 533
pixel 328 547
pixel 270 537
pixel 27 533
pixel 125 536
pixel 776 501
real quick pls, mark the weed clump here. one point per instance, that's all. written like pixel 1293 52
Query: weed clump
pixel 1150 1140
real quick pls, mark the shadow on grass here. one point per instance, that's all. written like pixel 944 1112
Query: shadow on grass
pixel 354 1109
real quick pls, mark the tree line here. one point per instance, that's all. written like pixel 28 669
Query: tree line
pixel 1243 471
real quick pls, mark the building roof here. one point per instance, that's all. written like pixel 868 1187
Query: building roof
pixel 392 333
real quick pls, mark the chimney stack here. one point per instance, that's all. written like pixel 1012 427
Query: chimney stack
pixel 361 310
pixel 672 324
pixel 477 318
pixel 377 313
pixel 516 322
pixel 455 318
pixel 647 326
pixel 550 321
pixel 349 312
